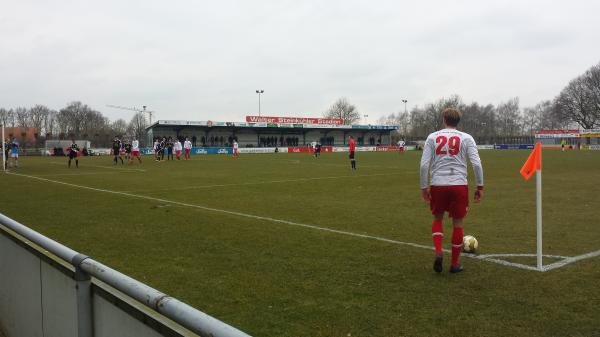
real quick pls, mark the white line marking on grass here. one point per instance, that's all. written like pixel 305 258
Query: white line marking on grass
pixel 263 182
pixel 106 167
pixel 572 259
pixel 520 255
pixel 503 262
pixel 71 174
pixel 493 258
pixel 487 257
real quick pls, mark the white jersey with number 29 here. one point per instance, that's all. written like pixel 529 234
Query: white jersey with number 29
pixel 445 156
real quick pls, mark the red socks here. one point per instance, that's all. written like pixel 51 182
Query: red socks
pixel 437 233
pixel 457 241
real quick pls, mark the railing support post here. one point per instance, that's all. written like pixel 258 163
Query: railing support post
pixel 84 298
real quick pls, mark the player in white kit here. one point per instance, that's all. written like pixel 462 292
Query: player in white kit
pixel 236 147
pixel 135 151
pixel 445 157
pixel 401 144
pixel 177 147
pixel 187 147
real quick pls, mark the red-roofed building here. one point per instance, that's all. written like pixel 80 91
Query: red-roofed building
pixel 27 137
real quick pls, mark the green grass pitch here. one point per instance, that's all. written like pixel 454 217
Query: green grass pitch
pixel 228 236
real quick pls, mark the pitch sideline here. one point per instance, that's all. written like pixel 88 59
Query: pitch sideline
pixel 487 257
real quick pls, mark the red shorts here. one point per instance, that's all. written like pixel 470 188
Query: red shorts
pixel 187 151
pixel 451 199
pixel 135 153
pixel 178 153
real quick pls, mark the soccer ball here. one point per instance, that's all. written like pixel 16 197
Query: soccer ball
pixel 470 244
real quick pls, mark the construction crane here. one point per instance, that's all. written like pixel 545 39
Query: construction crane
pixel 150 113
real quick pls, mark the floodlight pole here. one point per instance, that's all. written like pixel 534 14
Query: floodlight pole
pixel 538 180
pixel 259 92
pixel 404 101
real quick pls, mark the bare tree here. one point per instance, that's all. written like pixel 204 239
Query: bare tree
pixel 36 118
pixel 72 118
pixel 509 118
pixel 532 120
pixel 137 126
pixel 63 123
pixel 37 114
pixel 544 116
pixel 49 124
pixel 119 127
pixel 579 101
pixel 344 110
pixel 475 119
pixel 417 123
pixel 433 112
pixel 6 117
pixel 401 119
pixel 94 121
pixel 22 116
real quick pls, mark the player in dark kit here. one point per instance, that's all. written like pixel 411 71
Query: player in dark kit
pixel 163 148
pixel 127 150
pixel 317 150
pixel 170 149
pixel 73 151
pixel 116 147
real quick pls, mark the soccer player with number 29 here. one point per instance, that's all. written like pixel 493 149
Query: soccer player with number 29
pixel 445 157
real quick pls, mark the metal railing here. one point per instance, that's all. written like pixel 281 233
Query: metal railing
pixel 85 268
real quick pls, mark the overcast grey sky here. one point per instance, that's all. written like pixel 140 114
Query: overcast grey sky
pixel 202 60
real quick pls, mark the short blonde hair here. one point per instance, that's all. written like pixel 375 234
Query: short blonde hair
pixel 451 116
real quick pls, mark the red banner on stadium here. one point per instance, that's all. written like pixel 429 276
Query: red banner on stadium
pixel 294 120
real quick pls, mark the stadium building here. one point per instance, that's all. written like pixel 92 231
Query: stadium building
pixel 272 132
pixel 587 139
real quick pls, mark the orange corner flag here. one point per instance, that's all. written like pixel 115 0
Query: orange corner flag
pixel 533 163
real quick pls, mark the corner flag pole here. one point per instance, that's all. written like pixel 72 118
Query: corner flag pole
pixel 534 165
pixel 538 180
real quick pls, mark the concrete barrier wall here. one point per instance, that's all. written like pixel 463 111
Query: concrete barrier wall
pixel 20 290
pixel 111 321
pixel 58 301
